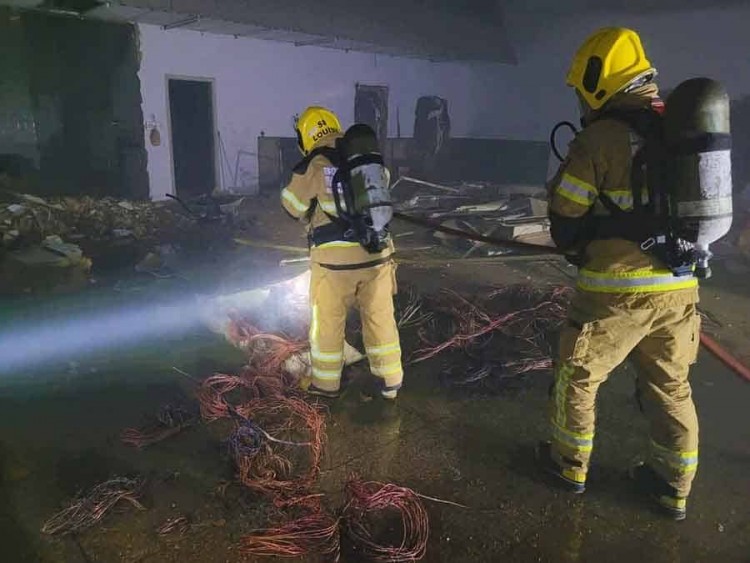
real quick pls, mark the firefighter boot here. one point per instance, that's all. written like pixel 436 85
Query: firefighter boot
pixel 664 497
pixel 568 480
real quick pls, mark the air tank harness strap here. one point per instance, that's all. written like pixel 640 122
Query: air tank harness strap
pixel 360 266
pixel 363 159
pixel 336 231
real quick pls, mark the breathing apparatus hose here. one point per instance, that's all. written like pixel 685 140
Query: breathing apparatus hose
pixel 553 134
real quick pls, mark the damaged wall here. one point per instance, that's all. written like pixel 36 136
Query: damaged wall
pixel 260 85
pixel 70 101
pixel 19 154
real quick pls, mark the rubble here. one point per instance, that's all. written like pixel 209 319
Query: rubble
pixel 512 213
pixel 38 234
pixel 51 265
pixel 524 220
pixel 85 218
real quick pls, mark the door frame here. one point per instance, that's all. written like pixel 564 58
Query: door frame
pixel 212 82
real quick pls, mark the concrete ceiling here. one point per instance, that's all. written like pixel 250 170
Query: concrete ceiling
pixel 440 30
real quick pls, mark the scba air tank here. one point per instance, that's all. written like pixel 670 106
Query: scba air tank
pixel 369 181
pixel 699 165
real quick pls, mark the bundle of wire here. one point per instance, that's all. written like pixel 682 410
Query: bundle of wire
pixel 170 420
pixel 86 510
pixel 370 503
pixel 211 395
pixel 505 334
pixel 410 309
pixel 178 524
pixel 266 352
pixel 279 451
pixel 315 533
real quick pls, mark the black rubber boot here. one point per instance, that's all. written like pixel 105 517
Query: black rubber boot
pixel 373 387
pixel 312 390
pixel 664 497
pixel 566 481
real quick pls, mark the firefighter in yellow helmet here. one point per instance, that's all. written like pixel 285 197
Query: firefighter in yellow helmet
pixel 344 274
pixel 629 301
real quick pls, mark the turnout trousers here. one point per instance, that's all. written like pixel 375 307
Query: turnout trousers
pixel 662 343
pixel 333 292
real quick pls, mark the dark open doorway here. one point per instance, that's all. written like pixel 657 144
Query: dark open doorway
pixel 371 107
pixel 191 111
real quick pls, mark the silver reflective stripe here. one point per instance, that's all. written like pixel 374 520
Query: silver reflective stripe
pixel 567 187
pixel 627 282
pixel 621 198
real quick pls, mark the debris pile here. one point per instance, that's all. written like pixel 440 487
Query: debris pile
pixel 276 446
pixel 28 219
pixel 513 213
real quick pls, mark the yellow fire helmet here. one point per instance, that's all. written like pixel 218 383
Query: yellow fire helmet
pixel 315 124
pixel 610 61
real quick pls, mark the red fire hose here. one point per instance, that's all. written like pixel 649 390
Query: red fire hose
pixel 725 357
pixel 721 353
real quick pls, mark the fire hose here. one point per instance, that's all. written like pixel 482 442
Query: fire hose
pixel 708 342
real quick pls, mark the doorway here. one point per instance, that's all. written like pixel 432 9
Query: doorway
pixel 371 108
pixel 191 116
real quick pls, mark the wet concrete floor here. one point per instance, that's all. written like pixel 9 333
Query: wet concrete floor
pixel 59 434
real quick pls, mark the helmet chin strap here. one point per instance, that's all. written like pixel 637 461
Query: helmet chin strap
pixel 298 133
pixel 584 110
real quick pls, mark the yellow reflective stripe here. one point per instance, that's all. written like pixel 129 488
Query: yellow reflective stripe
pixel 621 198
pixel 326 356
pixel 386 370
pixel 338 244
pixel 684 462
pixel 638 281
pixel 561 387
pixel 328 207
pixel 673 502
pixel 294 201
pixel 314 327
pixel 326 373
pixel 574 440
pixel 574 475
pixel 576 190
pixel 589 436
pixel 384 349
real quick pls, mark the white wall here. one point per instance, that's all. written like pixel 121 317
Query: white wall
pixel 260 85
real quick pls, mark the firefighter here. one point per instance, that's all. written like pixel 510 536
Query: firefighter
pixel 344 274
pixel 628 302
